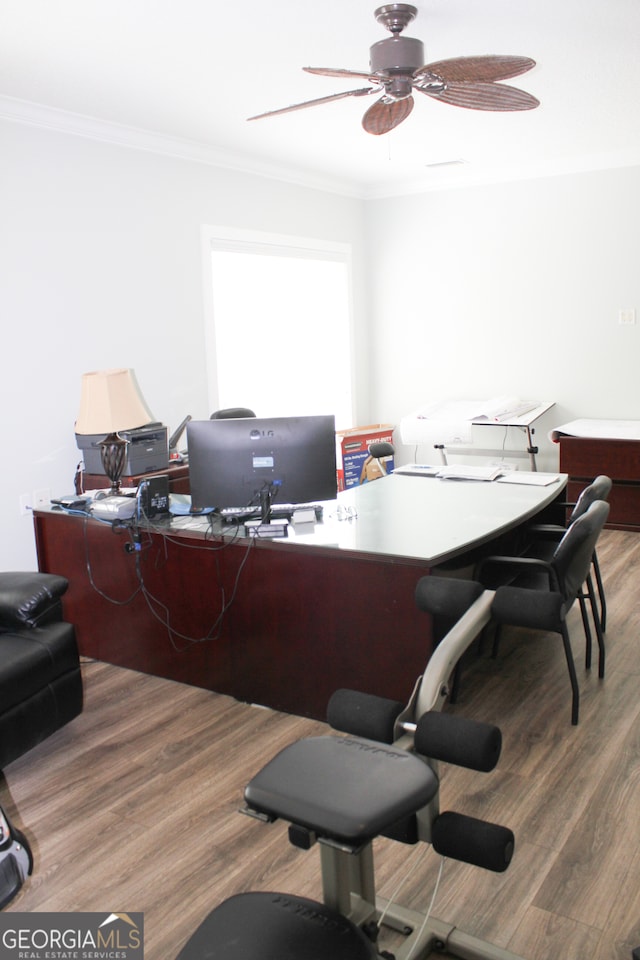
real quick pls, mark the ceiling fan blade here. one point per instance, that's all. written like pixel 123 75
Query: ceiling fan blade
pixel 477 68
pixel 364 91
pixel 384 115
pixel 483 96
pixel 337 72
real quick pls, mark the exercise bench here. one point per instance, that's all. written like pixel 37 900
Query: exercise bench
pixel 378 778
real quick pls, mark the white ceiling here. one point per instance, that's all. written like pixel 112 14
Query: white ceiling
pixel 190 72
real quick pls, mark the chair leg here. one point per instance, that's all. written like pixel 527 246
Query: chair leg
pixel 601 593
pixel 575 690
pixel 598 625
pixel 587 629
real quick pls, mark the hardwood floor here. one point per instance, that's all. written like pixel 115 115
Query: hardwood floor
pixel 133 806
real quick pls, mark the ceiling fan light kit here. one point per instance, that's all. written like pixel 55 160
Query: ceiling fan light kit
pixel 397 68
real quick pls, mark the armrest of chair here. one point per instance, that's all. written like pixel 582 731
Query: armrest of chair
pixel 29 599
pixel 547 531
pixel 511 569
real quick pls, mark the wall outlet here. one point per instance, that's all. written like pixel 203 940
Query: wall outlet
pixel 41 498
pixel 627 318
pixel 26 504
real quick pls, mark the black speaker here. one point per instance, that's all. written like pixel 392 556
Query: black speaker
pixel 154 496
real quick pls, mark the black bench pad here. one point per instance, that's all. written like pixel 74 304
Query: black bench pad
pixel 276 926
pixel 343 788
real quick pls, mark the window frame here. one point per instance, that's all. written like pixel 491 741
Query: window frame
pixel 276 244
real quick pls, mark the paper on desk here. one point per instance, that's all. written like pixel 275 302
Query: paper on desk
pixel 529 478
pixel 464 471
pixel 416 470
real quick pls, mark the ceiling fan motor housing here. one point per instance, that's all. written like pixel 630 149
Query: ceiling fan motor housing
pixel 396 54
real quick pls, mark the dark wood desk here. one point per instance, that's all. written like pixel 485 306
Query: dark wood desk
pixel 584 458
pixel 178 474
pixel 280 623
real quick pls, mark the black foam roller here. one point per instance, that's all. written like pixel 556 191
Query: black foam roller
pixel 363 715
pixel 483 844
pixel 467 743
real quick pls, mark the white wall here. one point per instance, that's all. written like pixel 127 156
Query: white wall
pixel 511 288
pixel 508 289
pixel 100 254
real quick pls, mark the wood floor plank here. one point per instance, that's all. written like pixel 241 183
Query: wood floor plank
pixel 543 935
pixel 592 869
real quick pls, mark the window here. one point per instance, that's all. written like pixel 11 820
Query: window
pixel 279 326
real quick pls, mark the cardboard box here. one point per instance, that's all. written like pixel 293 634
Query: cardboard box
pixel 355 466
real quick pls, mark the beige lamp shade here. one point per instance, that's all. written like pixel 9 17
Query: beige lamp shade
pixel 110 401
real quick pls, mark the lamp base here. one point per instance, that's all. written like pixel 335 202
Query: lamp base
pixel 113 451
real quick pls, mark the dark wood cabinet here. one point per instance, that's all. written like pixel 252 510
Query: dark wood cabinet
pixel 178 479
pixel 584 458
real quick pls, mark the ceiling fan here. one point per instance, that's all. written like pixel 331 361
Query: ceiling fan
pixel 397 69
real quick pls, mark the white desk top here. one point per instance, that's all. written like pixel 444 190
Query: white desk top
pixel 424 518
pixel 600 429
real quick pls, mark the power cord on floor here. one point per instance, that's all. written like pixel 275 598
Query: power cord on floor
pixel 393 898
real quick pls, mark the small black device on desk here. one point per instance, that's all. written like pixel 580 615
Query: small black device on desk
pixel 279 511
pixel 72 502
pixel 154 495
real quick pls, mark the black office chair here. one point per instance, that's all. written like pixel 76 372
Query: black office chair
pixel 232 413
pixel 546 534
pixel 540 593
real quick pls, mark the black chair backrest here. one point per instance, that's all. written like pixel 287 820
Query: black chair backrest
pixel 232 413
pixel 572 557
pixel 598 489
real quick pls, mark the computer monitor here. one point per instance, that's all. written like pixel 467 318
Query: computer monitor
pixel 257 461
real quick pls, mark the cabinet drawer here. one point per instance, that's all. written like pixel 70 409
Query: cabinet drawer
pixel 618 459
pixel 624 503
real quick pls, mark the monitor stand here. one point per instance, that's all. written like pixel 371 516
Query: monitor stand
pixel 265 505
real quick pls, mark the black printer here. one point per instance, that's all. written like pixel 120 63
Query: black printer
pixel 147 450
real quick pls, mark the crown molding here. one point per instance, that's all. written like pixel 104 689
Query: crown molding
pixel 80 125
pixel 437 178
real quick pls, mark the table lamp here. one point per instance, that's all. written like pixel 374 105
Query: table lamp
pixel 110 401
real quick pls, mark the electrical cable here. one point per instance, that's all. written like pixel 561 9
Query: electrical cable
pixel 214 631
pixel 140 526
pixel 427 915
pixel 157 608
pixel 392 899
pixel 120 603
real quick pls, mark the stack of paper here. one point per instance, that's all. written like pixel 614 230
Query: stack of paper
pixel 463 471
pixel 417 470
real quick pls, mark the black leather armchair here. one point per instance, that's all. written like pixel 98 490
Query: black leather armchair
pixel 40 679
